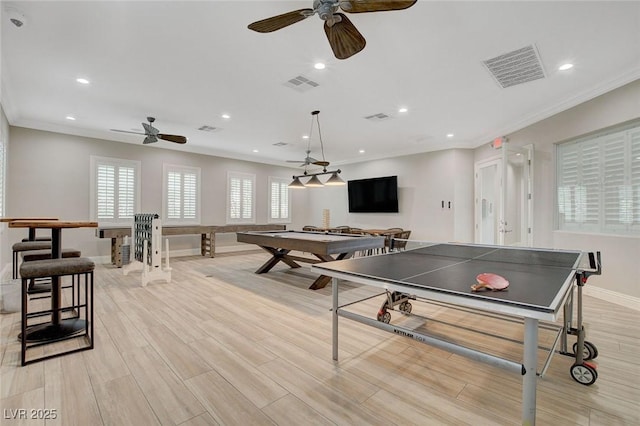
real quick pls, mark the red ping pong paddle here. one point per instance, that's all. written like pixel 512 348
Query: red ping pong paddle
pixel 488 281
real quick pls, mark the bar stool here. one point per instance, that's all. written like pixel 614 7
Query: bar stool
pixel 79 324
pixel 27 246
pixel 44 285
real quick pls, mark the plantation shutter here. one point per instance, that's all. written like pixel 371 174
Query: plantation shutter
pixel 279 200
pixel 615 191
pixel 598 183
pixel 190 195
pixel 241 196
pixel 634 178
pixel 126 192
pixel 235 194
pixel 275 200
pixel 181 194
pixel 106 191
pixel 174 185
pixel 115 189
pixel 247 199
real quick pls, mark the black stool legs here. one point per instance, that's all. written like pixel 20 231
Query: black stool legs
pixel 77 323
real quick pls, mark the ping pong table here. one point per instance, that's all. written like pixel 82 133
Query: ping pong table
pixel 542 284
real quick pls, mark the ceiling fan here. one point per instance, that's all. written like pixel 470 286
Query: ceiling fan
pixel 152 134
pixel 308 160
pixel 344 38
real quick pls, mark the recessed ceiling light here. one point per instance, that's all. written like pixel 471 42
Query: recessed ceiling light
pixel 565 67
pixel 403 109
pixel 82 80
pixel 319 66
pixel 70 117
pixel 361 151
pixel 226 116
pixel 305 137
pixel 449 135
pixel 255 150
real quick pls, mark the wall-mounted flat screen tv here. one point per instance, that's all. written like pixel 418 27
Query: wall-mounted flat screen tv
pixel 375 195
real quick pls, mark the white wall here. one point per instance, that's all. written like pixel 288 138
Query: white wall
pixel 620 255
pixel 424 181
pixel 48 174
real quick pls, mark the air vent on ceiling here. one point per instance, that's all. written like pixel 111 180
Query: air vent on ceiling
pixel 517 67
pixel 378 117
pixel 301 84
pixel 280 144
pixel 209 128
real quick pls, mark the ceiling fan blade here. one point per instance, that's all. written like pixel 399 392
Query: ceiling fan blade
pixel 278 22
pixel 126 131
pixel 172 138
pixel 321 163
pixel 344 38
pixel 150 139
pixel 359 6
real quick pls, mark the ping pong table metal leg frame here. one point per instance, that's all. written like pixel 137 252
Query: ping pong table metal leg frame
pixel 582 371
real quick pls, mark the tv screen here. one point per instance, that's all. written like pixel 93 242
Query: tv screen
pixel 375 195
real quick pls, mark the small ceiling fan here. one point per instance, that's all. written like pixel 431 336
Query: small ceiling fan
pixel 152 134
pixel 308 160
pixel 344 38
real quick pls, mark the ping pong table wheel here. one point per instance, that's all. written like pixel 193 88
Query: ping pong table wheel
pixel 589 352
pixel 405 307
pixel 384 316
pixel 585 374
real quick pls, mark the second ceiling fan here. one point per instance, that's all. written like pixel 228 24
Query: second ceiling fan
pixel 343 36
pixel 152 134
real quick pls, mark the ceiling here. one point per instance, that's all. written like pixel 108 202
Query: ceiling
pixel 187 63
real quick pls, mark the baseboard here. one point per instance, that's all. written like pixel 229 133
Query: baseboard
pixel 613 297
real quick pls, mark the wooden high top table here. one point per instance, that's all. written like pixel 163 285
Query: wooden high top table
pixel 32 231
pixel 58 327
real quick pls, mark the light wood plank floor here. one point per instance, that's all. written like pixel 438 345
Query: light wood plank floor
pixel 222 345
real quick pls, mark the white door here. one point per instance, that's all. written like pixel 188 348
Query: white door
pixel 504 198
pixel 514 228
pixel 487 201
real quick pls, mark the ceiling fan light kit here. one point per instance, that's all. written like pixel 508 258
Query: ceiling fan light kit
pixel 344 38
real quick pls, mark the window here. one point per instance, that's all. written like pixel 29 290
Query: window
pixel 279 204
pixel 181 194
pixel 598 183
pixel 241 198
pixel 115 190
